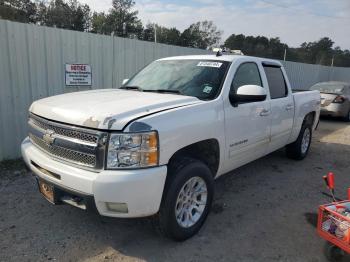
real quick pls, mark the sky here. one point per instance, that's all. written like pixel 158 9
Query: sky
pixel 294 21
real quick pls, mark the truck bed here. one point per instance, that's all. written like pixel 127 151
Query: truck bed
pixel 304 101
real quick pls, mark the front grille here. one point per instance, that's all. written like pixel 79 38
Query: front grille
pixel 78 146
pixel 64 153
pixel 44 124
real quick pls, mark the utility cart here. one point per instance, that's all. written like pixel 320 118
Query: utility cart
pixel 334 224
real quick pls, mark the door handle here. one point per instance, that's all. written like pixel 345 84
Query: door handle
pixel 264 112
pixel 289 107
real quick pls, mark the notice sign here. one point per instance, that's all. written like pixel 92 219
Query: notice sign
pixel 78 75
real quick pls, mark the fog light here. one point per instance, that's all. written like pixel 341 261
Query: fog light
pixel 117 207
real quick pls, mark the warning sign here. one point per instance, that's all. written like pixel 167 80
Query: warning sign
pixel 78 75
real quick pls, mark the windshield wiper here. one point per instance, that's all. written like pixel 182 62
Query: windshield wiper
pixel 152 90
pixel 132 88
pixel 164 91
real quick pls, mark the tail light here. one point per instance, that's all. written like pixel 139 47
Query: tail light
pixel 339 100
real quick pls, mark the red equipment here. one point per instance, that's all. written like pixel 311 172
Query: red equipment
pixel 329 179
pixel 334 222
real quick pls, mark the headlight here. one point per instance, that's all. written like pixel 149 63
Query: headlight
pixel 132 150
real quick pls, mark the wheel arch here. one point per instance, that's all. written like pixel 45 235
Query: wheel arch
pixel 207 151
pixel 310 118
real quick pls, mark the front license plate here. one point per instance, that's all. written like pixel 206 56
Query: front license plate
pixel 47 190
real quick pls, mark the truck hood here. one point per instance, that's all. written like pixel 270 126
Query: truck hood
pixel 107 108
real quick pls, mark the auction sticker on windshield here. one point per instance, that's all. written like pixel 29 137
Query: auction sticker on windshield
pixel 210 64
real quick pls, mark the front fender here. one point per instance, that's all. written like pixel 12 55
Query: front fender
pixel 180 127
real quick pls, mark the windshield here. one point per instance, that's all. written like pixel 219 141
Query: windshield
pixel 201 79
pixel 336 88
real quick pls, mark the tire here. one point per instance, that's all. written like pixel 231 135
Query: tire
pixel 299 150
pixel 174 210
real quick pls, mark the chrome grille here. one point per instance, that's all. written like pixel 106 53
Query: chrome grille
pixel 44 124
pixel 64 153
pixel 79 146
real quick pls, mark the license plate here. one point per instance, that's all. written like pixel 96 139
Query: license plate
pixel 47 190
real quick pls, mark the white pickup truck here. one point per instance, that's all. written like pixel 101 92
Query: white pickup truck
pixel 155 145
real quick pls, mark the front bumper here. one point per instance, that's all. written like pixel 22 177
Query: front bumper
pixel 140 189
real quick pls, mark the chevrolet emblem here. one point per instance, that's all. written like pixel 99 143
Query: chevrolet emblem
pixel 48 137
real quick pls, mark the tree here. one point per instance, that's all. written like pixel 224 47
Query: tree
pixel 170 36
pixel 201 35
pixel 99 23
pixel 121 20
pixel 80 16
pixel 24 11
pixel 235 42
pixel 341 58
pixel 319 52
pixel 257 46
pixel 148 32
pixel 69 15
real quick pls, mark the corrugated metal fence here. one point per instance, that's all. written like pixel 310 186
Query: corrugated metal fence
pixel 303 76
pixel 32 60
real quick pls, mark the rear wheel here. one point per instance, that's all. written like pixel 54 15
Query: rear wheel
pixel 299 149
pixel 187 199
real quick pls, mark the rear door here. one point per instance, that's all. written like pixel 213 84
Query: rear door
pixel 247 125
pixel 282 106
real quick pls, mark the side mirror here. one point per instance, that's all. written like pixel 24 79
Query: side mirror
pixel 125 80
pixel 248 93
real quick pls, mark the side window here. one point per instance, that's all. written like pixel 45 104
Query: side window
pixel 277 83
pixel 246 74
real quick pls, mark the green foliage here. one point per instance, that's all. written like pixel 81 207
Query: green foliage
pixel 170 36
pixel 99 23
pixel 148 32
pixel 319 52
pixel 201 35
pixel 257 46
pixel 121 20
pixel 69 15
pixel 24 11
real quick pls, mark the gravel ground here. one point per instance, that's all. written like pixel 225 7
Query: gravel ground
pixel 264 211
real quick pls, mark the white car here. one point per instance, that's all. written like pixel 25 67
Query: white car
pixel 155 145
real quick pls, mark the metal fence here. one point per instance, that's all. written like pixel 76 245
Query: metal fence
pixel 32 66
pixel 303 76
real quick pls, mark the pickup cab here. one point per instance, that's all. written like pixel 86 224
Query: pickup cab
pixel 154 146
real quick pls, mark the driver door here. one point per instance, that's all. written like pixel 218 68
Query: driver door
pixel 247 125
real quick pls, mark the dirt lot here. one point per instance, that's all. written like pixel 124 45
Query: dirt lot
pixel 264 211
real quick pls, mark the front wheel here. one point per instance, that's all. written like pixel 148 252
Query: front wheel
pixel 187 199
pixel 299 149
